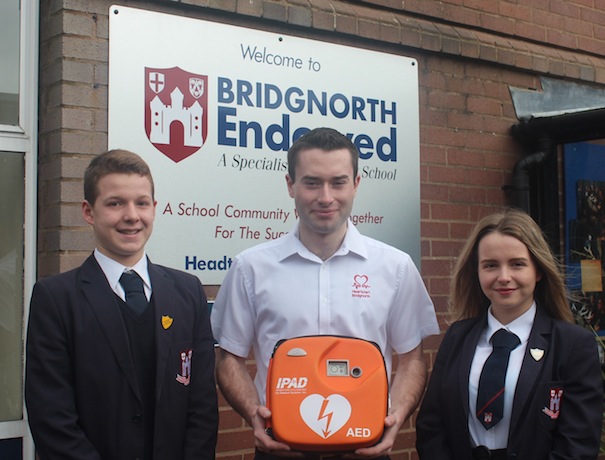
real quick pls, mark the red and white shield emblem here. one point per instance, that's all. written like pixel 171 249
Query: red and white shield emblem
pixel 176 103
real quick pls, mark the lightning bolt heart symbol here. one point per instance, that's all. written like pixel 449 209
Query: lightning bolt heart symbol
pixel 325 415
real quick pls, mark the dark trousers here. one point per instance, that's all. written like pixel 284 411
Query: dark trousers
pixel 258 455
pixel 483 453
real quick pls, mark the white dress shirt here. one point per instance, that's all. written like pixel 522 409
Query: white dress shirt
pixel 279 289
pixel 113 270
pixel 497 436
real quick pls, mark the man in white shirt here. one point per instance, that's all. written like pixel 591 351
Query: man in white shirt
pixel 323 277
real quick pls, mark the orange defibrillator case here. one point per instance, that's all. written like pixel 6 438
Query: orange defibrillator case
pixel 327 393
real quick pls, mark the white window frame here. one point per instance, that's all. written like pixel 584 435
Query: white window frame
pixel 24 139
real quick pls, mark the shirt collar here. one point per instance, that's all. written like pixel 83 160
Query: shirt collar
pixel 113 270
pixel 353 242
pixel 520 326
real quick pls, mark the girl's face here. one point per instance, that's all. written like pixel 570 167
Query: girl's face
pixel 507 275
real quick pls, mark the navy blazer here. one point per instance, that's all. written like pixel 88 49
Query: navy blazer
pixel 570 363
pixel 81 392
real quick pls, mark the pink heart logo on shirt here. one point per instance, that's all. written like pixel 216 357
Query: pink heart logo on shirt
pixel 360 280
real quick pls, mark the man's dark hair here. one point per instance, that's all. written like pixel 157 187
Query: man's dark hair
pixel 326 139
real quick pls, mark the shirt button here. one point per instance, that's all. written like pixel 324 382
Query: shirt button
pixel 136 418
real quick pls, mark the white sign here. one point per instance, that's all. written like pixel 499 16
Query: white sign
pixel 213 109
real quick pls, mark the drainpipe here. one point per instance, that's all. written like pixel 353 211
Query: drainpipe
pixel 520 187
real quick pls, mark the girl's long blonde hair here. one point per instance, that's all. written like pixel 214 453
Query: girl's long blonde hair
pixel 467 300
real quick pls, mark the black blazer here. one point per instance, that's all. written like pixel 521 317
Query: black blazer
pixel 80 388
pixel 570 362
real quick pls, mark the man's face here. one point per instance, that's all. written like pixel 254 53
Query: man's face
pixel 324 191
pixel 121 216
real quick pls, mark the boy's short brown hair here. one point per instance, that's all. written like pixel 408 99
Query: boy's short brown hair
pixel 114 161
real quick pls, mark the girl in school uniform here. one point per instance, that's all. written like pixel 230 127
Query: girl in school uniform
pixel 540 395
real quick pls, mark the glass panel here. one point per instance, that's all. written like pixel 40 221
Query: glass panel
pixel 11 285
pixel 9 62
pixel 585 221
pixel 11 449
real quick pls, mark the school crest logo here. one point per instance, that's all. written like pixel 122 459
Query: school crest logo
pixel 554 405
pixel 185 376
pixel 176 103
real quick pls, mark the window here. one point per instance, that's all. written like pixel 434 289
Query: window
pixel 18 167
pixel 11 285
pixel 9 63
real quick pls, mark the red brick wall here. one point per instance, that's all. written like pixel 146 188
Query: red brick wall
pixel 469 52
pixel 575 25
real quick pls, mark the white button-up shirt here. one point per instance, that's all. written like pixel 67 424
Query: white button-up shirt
pixel 497 436
pixel 113 271
pixel 280 289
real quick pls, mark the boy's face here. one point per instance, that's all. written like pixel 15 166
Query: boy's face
pixel 121 216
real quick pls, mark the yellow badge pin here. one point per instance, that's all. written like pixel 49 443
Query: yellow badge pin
pixel 166 321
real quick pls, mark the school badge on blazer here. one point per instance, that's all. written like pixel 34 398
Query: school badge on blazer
pixel 327 393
